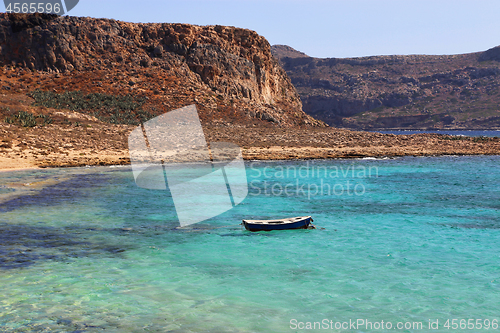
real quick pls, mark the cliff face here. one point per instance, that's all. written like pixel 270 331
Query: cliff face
pixel 414 91
pixel 228 72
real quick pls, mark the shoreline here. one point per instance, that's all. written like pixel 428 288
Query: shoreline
pixel 18 169
pixel 276 153
pixel 100 144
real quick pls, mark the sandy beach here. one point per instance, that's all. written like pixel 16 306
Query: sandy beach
pixel 97 143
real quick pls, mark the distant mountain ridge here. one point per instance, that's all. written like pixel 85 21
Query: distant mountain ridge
pixel 283 51
pixel 412 91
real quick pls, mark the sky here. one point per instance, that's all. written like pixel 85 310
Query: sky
pixel 335 28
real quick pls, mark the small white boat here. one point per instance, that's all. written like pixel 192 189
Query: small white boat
pixel 301 222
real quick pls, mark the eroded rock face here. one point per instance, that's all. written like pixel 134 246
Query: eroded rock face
pixel 236 64
pixel 413 91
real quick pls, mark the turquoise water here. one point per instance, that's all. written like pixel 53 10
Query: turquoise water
pixel 474 133
pixel 399 240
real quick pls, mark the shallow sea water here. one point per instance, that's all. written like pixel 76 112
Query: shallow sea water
pixel 473 133
pixel 407 240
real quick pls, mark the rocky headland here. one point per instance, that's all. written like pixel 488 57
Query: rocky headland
pixel 72 89
pixel 399 92
pixel 229 72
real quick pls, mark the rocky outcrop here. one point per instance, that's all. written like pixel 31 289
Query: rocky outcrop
pixel 415 91
pixel 491 54
pixel 287 51
pixel 234 64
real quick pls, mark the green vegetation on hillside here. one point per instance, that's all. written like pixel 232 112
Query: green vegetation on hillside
pixel 108 108
pixel 27 119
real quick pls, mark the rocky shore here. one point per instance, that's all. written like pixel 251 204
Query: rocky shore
pixel 95 143
pixel 72 90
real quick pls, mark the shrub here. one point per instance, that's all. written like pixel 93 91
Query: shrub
pixel 108 108
pixel 27 119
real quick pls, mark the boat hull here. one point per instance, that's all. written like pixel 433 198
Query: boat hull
pixel 302 223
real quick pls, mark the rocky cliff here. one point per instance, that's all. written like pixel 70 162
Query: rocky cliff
pixel 414 91
pixel 228 72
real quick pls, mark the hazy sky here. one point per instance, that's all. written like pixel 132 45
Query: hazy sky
pixel 337 28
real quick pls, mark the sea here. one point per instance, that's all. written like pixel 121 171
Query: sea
pixel 472 133
pixel 407 244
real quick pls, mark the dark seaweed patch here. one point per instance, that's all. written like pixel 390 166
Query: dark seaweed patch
pixel 22 246
pixel 60 193
pixel 491 225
